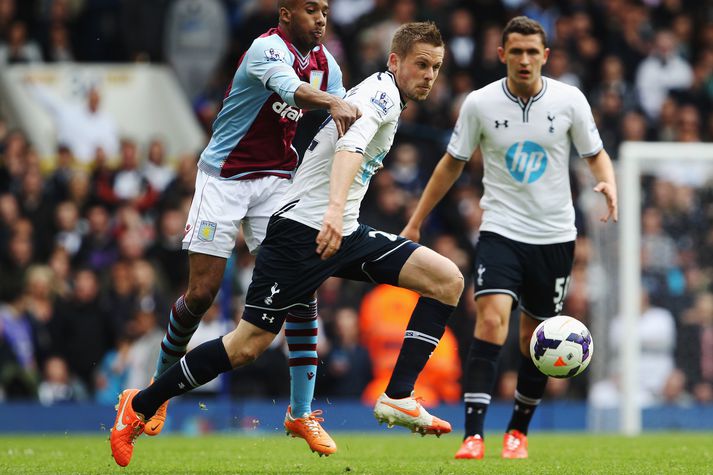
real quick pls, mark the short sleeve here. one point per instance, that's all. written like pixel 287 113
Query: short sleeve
pixel 269 61
pixel 334 84
pixel 377 105
pixel 584 132
pixel 466 133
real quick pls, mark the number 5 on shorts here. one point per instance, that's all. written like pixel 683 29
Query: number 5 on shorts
pixel 561 286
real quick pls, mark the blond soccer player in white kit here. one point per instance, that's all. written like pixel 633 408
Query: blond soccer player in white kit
pixel 525 125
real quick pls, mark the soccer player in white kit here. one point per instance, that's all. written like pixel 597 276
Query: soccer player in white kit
pixel 524 125
pixel 315 234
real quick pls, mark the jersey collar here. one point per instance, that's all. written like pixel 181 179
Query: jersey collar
pixel 524 106
pixel 401 97
pixel 302 59
pixel 519 100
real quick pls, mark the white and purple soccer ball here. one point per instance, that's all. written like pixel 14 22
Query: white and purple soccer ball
pixel 561 347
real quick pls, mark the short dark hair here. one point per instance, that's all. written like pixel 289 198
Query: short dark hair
pixel 415 32
pixel 524 26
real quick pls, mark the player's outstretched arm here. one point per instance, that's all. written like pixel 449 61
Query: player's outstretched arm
pixel 603 171
pixel 343 113
pixel 444 175
pixel 344 168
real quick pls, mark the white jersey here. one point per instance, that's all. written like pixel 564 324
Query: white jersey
pixel 372 135
pixel 526 149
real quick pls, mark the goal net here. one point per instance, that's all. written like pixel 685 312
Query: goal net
pixel 652 307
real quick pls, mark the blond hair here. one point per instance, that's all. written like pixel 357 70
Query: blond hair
pixel 415 32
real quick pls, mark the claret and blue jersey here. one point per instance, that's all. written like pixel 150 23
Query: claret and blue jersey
pixel 253 133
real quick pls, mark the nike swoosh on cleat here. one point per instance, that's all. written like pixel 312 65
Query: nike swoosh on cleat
pixel 154 427
pixel 120 423
pixel 409 412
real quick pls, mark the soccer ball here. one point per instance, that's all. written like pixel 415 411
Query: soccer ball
pixel 561 347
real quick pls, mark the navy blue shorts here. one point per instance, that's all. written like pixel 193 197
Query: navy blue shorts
pixel 288 269
pixel 535 275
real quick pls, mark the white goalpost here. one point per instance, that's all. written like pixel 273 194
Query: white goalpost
pixel 636 158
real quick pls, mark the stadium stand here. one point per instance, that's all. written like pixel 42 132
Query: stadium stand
pixel 90 253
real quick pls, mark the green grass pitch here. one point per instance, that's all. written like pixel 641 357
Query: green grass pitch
pixel 389 453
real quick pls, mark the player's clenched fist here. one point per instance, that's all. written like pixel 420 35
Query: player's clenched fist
pixel 344 114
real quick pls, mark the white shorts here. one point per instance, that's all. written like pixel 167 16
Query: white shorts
pixel 220 207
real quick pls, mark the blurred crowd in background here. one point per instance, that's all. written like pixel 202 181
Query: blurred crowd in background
pixel 90 254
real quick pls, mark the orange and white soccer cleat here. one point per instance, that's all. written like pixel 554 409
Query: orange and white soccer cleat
pixel 514 445
pixel 154 425
pixel 408 412
pixel 127 427
pixel 308 427
pixel 473 447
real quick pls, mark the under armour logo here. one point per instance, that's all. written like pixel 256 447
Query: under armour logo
pixel 552 125
pixel 269 319
pixel 481 271
pixel 274 291
pixel 181 385
pixel 498 123
pixel 310 375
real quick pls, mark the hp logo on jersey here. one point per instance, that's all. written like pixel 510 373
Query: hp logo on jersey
pixel 526 161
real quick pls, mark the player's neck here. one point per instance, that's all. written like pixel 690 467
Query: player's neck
pixel 525 92
pixel 402 97
pixel 302 49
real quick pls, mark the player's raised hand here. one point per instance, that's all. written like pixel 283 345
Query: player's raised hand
pixel 609 192
pixel 344 114
pixel 329 239
pixel 411 232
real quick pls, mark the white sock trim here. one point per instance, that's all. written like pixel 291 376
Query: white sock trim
pixel 187 373
pixel 526 400
pixel 421 336
pixel 479 398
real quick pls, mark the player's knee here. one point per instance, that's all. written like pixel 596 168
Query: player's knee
pixel 490 324
pixel 447 286
pixel 456 284
pixel 244 354
pixel 199 297
pixel 247 355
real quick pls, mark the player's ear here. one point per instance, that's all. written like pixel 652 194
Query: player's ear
pixel 285 15
pixel 393 62
pixel 546 55
pixel 501 54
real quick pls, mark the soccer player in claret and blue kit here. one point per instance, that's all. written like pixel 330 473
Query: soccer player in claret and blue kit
pixel 242 173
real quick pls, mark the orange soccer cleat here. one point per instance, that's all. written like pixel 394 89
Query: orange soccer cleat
pixel 473 447
pixel 308 428
pixel 154 425
pixel 408 412
pixel 127 427
pixel 514 445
